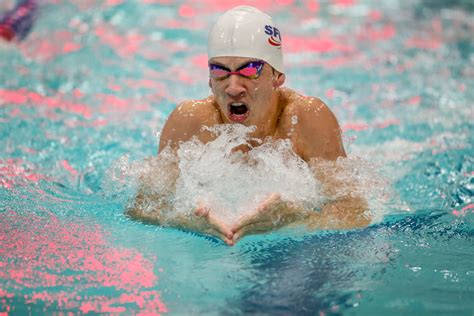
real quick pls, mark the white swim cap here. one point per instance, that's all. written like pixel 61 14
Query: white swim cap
pixel 245 31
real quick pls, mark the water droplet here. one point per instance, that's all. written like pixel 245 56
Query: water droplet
pixel 294 120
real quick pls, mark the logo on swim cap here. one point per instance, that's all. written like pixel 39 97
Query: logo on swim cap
pixel 274 33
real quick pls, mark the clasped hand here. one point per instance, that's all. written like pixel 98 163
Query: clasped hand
pixel 270 214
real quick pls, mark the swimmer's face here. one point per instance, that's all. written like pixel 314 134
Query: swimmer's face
pixel 245 100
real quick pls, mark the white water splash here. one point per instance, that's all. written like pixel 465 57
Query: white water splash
pixel 233 183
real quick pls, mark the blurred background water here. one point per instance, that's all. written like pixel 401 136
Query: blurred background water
pixel 95 80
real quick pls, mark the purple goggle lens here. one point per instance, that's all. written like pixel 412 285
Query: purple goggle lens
pixel 251 70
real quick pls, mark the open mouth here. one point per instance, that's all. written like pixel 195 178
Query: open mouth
pixel 238 111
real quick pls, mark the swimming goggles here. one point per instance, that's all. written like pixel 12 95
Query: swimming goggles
pixel 252 70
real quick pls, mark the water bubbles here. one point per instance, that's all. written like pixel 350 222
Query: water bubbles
pixel 353 176
pixel 233 180
pixel 449 275
pixel 155 175
pixel 234 173
pixel 415 269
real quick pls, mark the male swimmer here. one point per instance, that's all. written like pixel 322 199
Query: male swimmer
pixel 246 76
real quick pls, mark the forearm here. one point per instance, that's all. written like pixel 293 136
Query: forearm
pixel 153 200
pixel 273 213
pixel 344 213
pixel 149 208
pixel 346 207
pixel 158 210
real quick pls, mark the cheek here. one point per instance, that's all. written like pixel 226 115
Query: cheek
pixel 263 98
pixel 216 90
pixel 219 95
pixel 262 93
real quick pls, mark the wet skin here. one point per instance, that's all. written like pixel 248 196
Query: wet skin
pixel 279 113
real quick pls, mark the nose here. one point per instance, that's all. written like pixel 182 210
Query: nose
pixel 234 87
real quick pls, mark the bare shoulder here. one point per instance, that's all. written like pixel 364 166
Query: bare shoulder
pixel 317 133
pixel 306 108
pixel 187 120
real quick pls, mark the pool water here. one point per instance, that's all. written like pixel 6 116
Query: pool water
pixel 89 89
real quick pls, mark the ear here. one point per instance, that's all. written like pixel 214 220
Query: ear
pixel 279 80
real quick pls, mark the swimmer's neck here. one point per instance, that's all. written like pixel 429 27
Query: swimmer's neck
pixel 269 127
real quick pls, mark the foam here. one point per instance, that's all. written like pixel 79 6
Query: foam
pixel 232 182
pixel 220 175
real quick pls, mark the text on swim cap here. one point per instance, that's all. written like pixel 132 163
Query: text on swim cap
pixel 274 33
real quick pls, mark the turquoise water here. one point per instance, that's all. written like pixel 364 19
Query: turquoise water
pixel 95 81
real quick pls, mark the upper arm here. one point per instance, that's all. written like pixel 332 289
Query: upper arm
pixel 319 133
pixel 186 121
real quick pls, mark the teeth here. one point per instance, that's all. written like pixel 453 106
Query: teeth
pixel 237 104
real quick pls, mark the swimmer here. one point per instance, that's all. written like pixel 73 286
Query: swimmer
pixel 246 77
pixel 18 22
